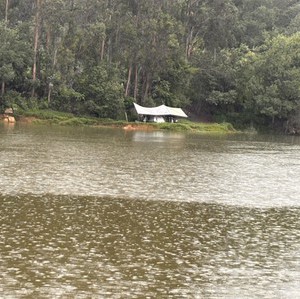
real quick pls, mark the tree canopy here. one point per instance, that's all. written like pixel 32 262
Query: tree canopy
pixel 223 60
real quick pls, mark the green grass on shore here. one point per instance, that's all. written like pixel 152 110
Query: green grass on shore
pixel 61 118
pixel 189 126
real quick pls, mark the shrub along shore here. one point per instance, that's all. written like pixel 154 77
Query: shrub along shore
pixel 60 118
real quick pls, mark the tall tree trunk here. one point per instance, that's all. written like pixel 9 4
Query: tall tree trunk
pixel 147 86
pixel 102 49
pixel 35 45
pixel 128 81
pixel 127 88
pixel 6 11
pixel 215 54
pixel 136 82
pixel 55 56
pixel 109 50
pixel 188 47
pixel 5 26
pixel 2 88
pixel 48 38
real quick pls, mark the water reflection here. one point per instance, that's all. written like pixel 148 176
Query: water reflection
pixel 149 165
pixel 118 248
pixel 158 136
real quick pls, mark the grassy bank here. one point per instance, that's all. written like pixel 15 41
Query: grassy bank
pixel 60 118
pixel 189 126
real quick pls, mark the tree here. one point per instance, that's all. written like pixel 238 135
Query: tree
pixel 269 83
pixel 103 92
pixel 13 56
pixel 37 28
pixel 212 56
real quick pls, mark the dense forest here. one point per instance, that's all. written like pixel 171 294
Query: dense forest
pixel 220 60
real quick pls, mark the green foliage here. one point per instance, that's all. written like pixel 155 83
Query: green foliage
pixel 188 126
pixel 67 99
pixel 13 99
pixel 222 98
pixel 275 72
pixel 47 114
pixel 229 60
pixel 103 93
pixel 13 56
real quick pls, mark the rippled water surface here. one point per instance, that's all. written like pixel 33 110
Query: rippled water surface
pixel 102 213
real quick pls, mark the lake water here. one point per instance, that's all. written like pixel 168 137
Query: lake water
pixel 104 213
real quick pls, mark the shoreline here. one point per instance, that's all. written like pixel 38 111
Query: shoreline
pixel 66 119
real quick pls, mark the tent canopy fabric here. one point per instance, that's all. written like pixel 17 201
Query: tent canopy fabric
pixel 162 110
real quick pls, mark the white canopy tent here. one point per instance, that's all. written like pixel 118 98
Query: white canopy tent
pixel 159 112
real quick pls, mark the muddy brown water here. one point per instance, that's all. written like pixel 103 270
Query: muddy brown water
pixel 103 213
